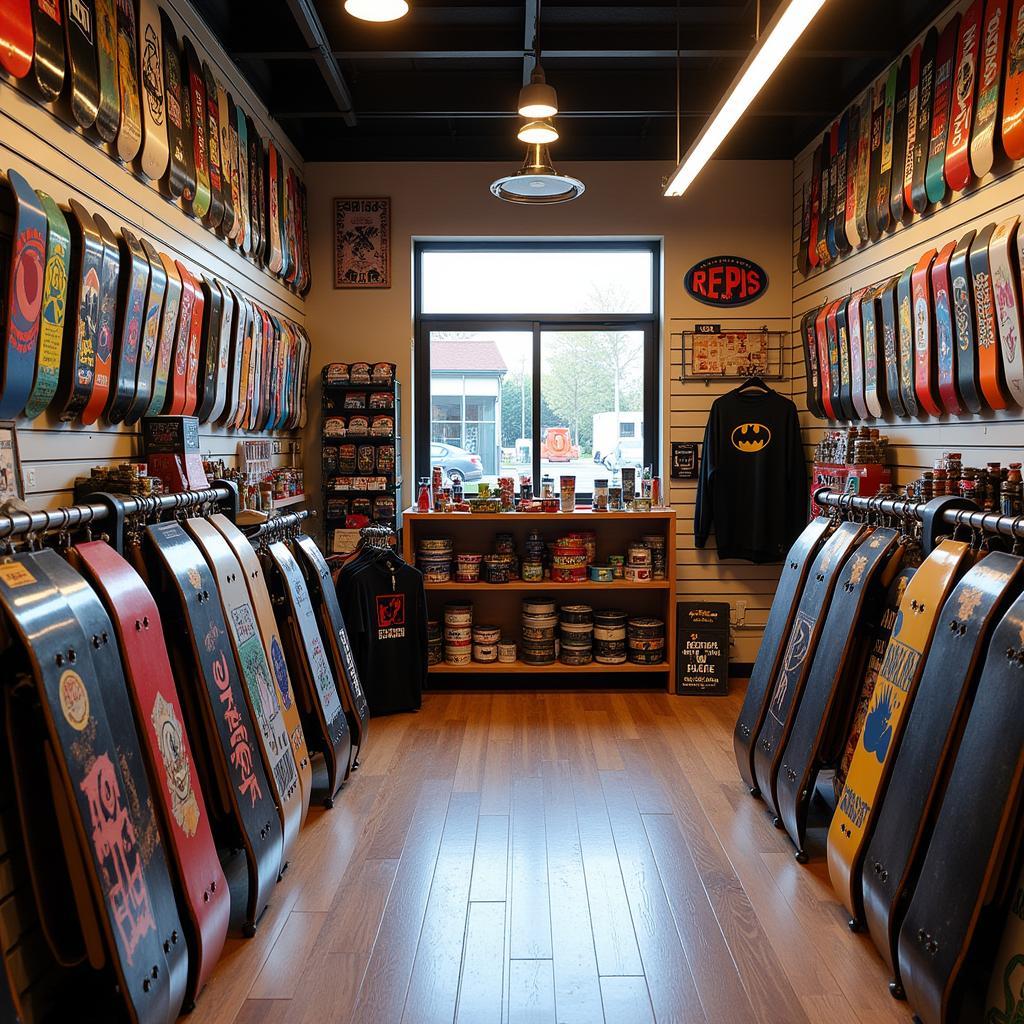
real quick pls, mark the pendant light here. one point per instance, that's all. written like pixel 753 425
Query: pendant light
pixel 543 132
pixel 537 183
pixel 538 99
pixel 377 10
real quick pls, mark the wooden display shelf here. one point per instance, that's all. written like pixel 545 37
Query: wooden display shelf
pixel 585 515
pixel 552 585
pixel 509 667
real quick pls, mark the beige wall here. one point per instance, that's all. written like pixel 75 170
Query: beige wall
pixel 743 209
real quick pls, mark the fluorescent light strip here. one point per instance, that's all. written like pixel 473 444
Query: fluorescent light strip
pixel 776 41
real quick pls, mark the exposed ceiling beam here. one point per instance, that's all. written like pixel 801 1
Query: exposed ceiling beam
pixel 476 115
pixel 313 32
pixel 530 8
pixel 527 56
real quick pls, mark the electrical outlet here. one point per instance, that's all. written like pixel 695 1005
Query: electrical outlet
pixel 30 479
pixel 741 612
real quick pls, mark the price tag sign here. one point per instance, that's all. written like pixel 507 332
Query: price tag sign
pixel 707 328
pixel 702 657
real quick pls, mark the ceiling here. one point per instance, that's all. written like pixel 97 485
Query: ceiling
pixel 441 83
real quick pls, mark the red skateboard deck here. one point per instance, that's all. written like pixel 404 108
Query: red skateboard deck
pixel 824 366
pixel 149 344
pixel 195 94
pixel 195 340
pixel 965 83
pixel 218 199
pixel 1013 88
pixel 986 115
pixel 16 37
pixel 990 361
pixel 165 349
pixel 925 370
pixel 179 366
pixel 109 273
pixel 48 58
pixel 1005 264
pixel 815 211
pixel 935 173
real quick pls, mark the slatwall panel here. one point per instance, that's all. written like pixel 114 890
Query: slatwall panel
pixel 39 142
pixel 988 436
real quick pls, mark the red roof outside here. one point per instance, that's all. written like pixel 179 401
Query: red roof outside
pixel 466 357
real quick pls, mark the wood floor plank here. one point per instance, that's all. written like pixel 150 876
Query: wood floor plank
pixel 490 861
pixel 359 906
pixel 647 789
pixel 284 966
pixel 530 906
pixel 496 789
pixel 531 998
pixel 262 1011
pixel 627 1001
pixel 327 988
pixel 481 988
pixel 602 741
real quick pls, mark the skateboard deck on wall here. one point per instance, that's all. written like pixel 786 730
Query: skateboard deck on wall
pixel 801 648
pixel 834 369
pixel 924 350
pixel 155 153
pixel 235 386
pixel 945 343
pixel 216 708
pixel 179 181
pixel 913 110
pixel 48 56
pixel 227 323
pixel 162 370
pixel 308 281
pixel 964 869
pixel 53 309
pixel 906 336
pixel 922 140
pixel 81 323
pixel 896 684
pixel 283 211
pixel 854 326
pixel 209 349
pixel 935 173
pixel 253 391
pixel 108 117
pixel 824 370
pixel 239 186
pixel 769 655
pixel 87 771
pixel 218 200
pixel 16 37
pixel 335 637
pixel 275 252
pixel 887 321
pixel 805 229
pixel 109 273
pixel 255 188
pixel 307 353
pixel 837 664
pixel 933 727
pixel 990 58
pixel 149 344
pixel 244 388
pixel 965 83
pixel 274 741
pixel 195 340
pixel 311 670
pixel 874 364
pixel 128 329
pixel 80 43
pixel 268 345
pixel 897 206
pixel 245 204
pixel 963 320
pixel 233 220
pixel 815 221
pixel 863 165
pixel 262 606
pixel 1012 128
pixel 204 898
pixel 195 94
pixel 179 362
pixel 1005 265
pixel 845 360
pixel 990 362
pixel 881 198
pixel 875 158
pixel 129 132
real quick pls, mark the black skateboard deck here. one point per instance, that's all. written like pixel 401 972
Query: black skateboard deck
pixel 129 132
pixel 255 160
pixel 110 269
pixel 80 46
pixel 178 181
pixel 945 343
pixel 307 282
pixel 829 207
pixel 932 731
pixel 913 104
pixel 964 867
pixel 242 156
pixel 218 198
pixel 209 350
pixel 214 703
pixel 48 56
pixel 837 662
pixel 128 331
pixel 165 346
pixel 991 378
pixel 801 647
pixel 845 361
pixel 150 340
pixel 922 141
pixel 814 209
pixel 229 316
pixel 108 117
pixel 229 165
pixel 888 327
pixel 897 205
pixel 962 294
pixel 769 655
pixel 155 153
pixel 195 93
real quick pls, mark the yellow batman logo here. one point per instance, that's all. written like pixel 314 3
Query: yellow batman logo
pixel 751 437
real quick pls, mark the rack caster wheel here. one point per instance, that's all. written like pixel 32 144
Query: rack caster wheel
pixel 801 857
pixel 777 822
pixel 755 792
pixel 896 991
pixel 249 930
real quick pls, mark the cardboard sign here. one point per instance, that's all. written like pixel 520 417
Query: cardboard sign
pixel 702 657
pixel 171 449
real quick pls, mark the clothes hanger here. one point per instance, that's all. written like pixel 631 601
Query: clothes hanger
pixel 755 381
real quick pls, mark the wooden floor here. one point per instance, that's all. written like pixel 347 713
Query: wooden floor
pixel 556 857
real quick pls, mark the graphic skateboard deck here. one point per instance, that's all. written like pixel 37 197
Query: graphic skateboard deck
pixel 261 693
pixel 203 895
pixel 824 369
pixel 48 57
pixel 855 328
pixel 227 323
pixel 261 603
pixel 965 83
pixel 307 352
pixel 180 179
pixel 881 198
pixel 922 140
pixel 990 360
pixel 887 323
pixel 108 117
pixel 155 154
pixel 935 172
pixel 1005 998
pixel 1013 88
pixel 913 110
pixel 835 664
pixel 149 343
pixel 195 93
pixel 945 344
pixel 245 203
pixel 214 703
pixel 253 386
pixel 25 286
pixel 897 206
pixel 195 341
pixel 177 382
pixel 986 114
pixel 168 325
pixel 209 349
pixel 109 274
pixel 235 391
pixel 53 309
pixel 925 370
pixel 256 205
pixel 868 776
pixel 907 337
pixel 129 132
pixel 776 633
pixel 308 278
pixel 78 353
pixel 233 220
pixel 88 770
pixel 1005 265
pixel 963 320
pixel 964 868
pixel 128 331
pixel 874 363
pixel 275 253
pixel 835 372
pixel 875 159
pixel 843 346
pixel 16 38
pixel 863 165
pixel 215 215
pixel 80 42
pixel 335 637
pixel 933 726
pixel 814 224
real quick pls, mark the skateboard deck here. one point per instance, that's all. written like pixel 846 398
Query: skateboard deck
pixel 149 342
pixel 990 361
pixel 842 346
pixel 129 132
pixel 25 286
pixel 875 159
pixel 195 341
pixel 335 637
pixel 906 339
pixel 179 180
pixel 244 385
pixel 275 253
pixel 963 320
pixel 78 353
pixel 267 370
pixel 209 350
pixel 881 199
pixel 990 75
pixel 229 158
pixel 165 348
pixel 245 204
pixel 311 671
pixel 215 215
pixel 308 278
pixel 1005 998
pixel 795 570
pixel 253 387
pixel 53 308
pixel 307 353
pixel 824 369
pixel 130 313
pixel 48 56
pixel 965 82
pixel 1013 88
pixel 863 165
pixel 801 648
pixel 1005 265
pixel 925 370
pixel 109 274
pixel 855 328
pixel 836 663
pixel 195 94
pixel 203 895
pixel 913 110
pixel 261 603
pixel 179 362
pixel 227 323
pixel 80 44
pixel 874 364
pixel 155 153
pixel 815 209
pixel 896 684
pixel 255 188
pixel 239 330
pixel 887 323
pixel 108 117
pixel 16 38
pixel 922 140
pixel 282 211
pixel 88 770
pixel 897 206
pixel 275 744
pixel 935 173
pixel 933 726
pixel 964 868
pixel 214 704
pixel 834 369
pixel 945 344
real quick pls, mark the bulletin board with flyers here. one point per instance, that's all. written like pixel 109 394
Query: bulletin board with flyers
pixel 722 352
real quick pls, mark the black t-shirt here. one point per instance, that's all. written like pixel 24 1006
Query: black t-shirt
pixel 752 488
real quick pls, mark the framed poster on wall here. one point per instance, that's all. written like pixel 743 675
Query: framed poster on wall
pixel 362 242
pixel 10 466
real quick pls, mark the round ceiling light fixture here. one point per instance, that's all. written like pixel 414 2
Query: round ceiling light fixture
pixel 377 10
pixel 538 99
pixel 542 132
pixel 537 183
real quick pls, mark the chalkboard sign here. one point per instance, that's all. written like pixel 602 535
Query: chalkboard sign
pixel 702 658
pixel 684 460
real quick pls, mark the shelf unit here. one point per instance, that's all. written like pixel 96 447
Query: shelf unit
pixel 501 603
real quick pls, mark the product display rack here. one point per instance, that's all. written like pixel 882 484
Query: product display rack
pixel 501 603
pixel 333 402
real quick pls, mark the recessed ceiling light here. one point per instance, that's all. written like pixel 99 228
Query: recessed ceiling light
pixel 377 10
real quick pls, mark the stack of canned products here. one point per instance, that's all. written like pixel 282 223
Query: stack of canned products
pixel 458 634
pixel 569 560
pixel 610 636
pixel 485 643
pixel 435 647
pixel 656 542
pixel 645 640
pixel 638 563
pixel 434 559
pixel 576 634
pixel 540 620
